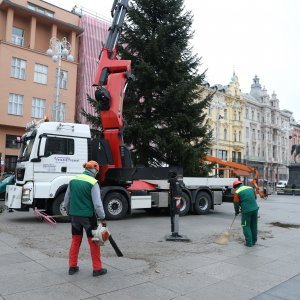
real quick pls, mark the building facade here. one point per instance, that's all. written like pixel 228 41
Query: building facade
pixel 266 133
pixel 251 129
pixel 29 78
pixel 225 119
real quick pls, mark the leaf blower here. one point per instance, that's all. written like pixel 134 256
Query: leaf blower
pixel 102 235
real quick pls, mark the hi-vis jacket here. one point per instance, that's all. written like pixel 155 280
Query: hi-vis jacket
pixel 245 198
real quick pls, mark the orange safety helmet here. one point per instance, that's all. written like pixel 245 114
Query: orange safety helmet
pixel 91 165
pixel 236 183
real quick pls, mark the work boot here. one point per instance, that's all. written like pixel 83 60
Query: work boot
pixel 99 272
pixel 73 270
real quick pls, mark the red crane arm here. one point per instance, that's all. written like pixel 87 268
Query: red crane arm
pixel 111 81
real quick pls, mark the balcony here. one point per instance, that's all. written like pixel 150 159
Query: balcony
pixel 255 158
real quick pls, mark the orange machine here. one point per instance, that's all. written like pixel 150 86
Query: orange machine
pixel 237 166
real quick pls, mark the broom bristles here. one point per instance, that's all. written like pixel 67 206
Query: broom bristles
pixel 223 239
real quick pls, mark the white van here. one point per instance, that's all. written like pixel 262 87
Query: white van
pixel 280 186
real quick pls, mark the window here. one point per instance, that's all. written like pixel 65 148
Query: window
pixel 234 116
pixel 240 136
pixel 10 163
pixel 225 134
pixel 11 141
pixel 233 156
pixel 234 136
pixel 17 36
pixel 61 146
pixel 239 116
pixel 247 132
pixel 15 104
pixel 40 73
pixel 59 112
pixel 258 134
pixel 239 157
pixel 225 114
pixel 223 154
pixel 247 113
pixel 63 79
pixel 252 115
pixel 253 134
pixel 18 68
pixel 38 108
pixel 41 10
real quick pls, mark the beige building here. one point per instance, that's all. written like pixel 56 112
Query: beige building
pixel 226 120
pixel 28 77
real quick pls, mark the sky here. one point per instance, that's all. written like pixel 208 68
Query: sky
pixel 248 37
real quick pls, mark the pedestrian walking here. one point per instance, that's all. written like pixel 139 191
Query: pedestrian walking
pixel 83 203
pixel 245 202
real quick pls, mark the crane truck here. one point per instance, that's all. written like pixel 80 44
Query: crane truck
pixel 52 152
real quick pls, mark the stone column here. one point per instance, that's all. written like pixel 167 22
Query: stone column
pixel 54 31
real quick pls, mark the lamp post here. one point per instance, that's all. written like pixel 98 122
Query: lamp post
pixel 219 105
pixel 59 49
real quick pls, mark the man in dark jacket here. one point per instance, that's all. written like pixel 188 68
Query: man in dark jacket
pixel 82 201
pixel 245 201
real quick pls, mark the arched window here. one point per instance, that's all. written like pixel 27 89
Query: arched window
pixel 225 114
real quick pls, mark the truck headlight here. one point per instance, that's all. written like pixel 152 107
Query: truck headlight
pixel 26 195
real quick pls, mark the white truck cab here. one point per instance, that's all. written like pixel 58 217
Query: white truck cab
pixel 51 153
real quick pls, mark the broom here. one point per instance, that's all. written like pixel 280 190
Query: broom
pixel 224 238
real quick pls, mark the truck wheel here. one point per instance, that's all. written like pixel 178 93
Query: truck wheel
pixel 185 205
pixel 202 203
pixel 115 206
pixel 57 209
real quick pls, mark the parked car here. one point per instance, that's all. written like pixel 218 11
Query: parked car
pixel 7 180
pixel 280 186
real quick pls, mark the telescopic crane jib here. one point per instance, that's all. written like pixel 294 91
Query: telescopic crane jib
pixel 238 166
pixel 111 81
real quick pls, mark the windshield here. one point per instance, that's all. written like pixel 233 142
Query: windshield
pixel 26 147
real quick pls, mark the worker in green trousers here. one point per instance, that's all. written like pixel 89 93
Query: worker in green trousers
pixel 245 201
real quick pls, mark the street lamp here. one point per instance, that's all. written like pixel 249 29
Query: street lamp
pixel 59 49
pixel 219 105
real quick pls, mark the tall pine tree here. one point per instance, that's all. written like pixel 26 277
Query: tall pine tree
pixel 164 106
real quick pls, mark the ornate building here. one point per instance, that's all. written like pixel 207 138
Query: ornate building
pixel 226 119
pixel 251 129
pixel 266 130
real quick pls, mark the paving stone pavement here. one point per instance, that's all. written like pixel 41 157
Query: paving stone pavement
pixel 197 270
